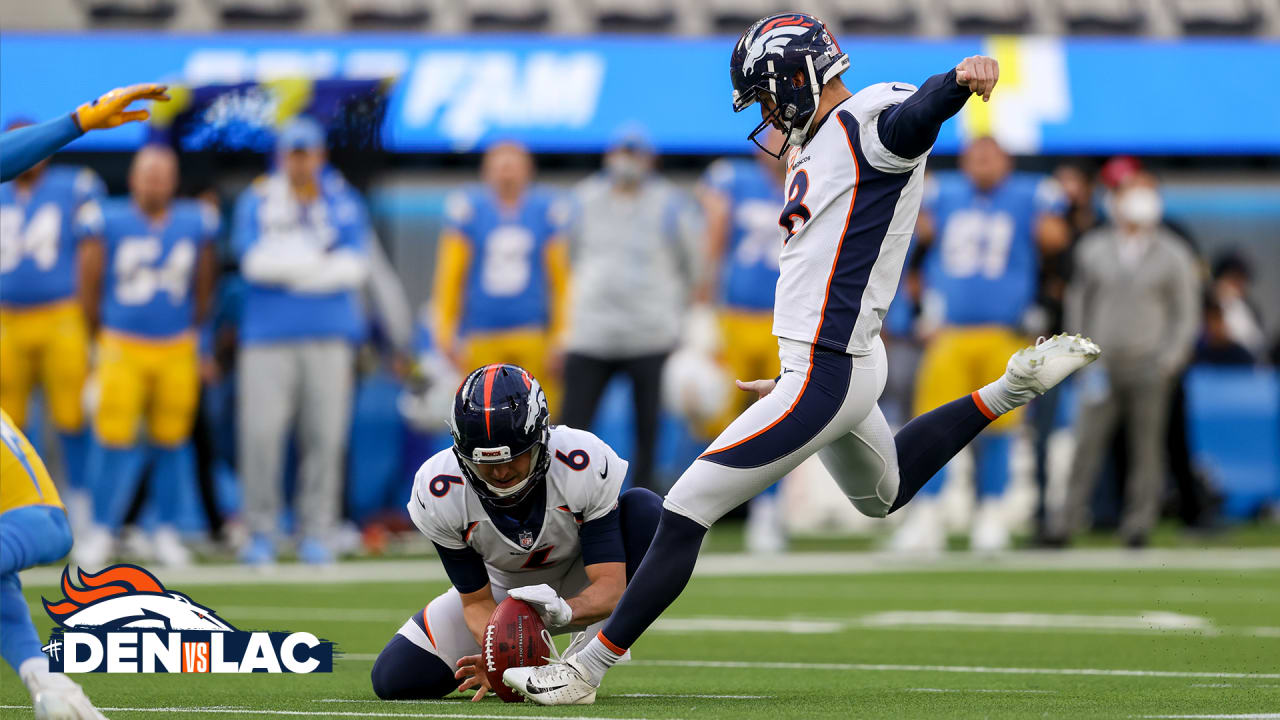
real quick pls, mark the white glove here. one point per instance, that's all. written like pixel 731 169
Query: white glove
pixel 553 609
pixel 55 695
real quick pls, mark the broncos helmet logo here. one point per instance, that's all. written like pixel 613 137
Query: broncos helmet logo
pixel 127 597
pixel 771 38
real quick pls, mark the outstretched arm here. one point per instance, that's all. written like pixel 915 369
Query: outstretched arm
pixel 910 128
pixel 24 147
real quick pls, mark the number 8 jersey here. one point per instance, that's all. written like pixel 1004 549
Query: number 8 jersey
pixel 148 267
pixel 851 208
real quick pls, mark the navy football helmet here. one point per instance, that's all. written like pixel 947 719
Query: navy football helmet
pixel 500 413
pixel 789 57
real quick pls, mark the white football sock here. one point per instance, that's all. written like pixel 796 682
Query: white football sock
pixel 1000 398
pixel 596 659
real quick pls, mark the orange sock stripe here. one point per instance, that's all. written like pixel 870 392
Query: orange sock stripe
pixel 982 407
pixel 612 648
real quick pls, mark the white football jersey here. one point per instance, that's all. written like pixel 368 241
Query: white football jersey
pixel 851 208
pixel 583 482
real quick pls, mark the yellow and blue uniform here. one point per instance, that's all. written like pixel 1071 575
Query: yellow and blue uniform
pixel 979 282
pixel 500 279
pixel 148 359
pixel 33 531
pixel 42 333
pixel 749 274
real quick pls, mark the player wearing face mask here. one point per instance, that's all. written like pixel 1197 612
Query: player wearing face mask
pixel 634 258
pixel 1136 291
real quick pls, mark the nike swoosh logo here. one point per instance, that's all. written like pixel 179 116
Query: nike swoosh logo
pixel 901 89
pixel 535 690
pixel 605 472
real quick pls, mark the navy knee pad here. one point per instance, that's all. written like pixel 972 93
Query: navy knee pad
pixel 404 671
pixel 640 510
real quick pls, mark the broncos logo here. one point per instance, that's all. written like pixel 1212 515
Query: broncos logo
pixel 127 597
pixel 772 37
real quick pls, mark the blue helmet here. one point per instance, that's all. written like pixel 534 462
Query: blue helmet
pixel 500 413
pixel 789 57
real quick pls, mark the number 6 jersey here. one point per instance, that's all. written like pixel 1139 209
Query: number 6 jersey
pixel 851 208
pixel 582 485
pixel 149 267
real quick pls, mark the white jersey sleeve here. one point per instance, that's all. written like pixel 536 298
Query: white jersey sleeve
pixel 596 471
pixel 438 503
pixel 867 105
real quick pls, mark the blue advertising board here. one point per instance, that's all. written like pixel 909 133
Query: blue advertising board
pixel 455 93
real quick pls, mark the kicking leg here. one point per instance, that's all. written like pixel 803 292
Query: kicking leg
pixel 930 440
pixel 820 397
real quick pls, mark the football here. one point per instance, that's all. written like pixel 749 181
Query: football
pixel 513 638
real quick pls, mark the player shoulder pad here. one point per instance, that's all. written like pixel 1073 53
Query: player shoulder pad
pixel 588 472
pixel 438 503
pixel 720 173
pixel 459 206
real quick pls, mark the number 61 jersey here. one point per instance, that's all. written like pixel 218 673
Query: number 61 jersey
pixel 149 267
pixel 582 485
pixel 850 212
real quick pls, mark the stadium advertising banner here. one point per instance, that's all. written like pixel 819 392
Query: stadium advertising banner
pixel 571 94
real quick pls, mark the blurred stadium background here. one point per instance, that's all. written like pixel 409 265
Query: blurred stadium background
pixel 412 92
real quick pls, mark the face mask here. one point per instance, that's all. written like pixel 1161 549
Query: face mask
pixel 625 167
pixel 1140 206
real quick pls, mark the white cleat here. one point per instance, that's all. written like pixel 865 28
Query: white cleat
pixel 923 532
pixel 94 548
pixel 1037 368
pixel 560 683
pixel 990 532
pixel 169 550
pixel 57 697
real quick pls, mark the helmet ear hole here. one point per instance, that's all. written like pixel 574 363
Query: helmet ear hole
pixel 797 80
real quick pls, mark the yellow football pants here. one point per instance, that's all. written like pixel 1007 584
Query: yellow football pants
pixel 959 360
pixel 47 344
pixel 140 377
pixel 749 351
pixel 23 478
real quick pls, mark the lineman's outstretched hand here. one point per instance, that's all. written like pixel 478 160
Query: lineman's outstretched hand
pixel 112 110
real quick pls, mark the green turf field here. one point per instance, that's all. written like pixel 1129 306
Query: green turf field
pixel 958 640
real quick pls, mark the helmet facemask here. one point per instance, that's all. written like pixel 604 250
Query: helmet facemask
pixel 788 117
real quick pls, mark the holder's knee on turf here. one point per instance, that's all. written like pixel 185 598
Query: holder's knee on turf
pixel 404 671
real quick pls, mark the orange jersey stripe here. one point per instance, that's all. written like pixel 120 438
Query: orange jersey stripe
pixel 427 626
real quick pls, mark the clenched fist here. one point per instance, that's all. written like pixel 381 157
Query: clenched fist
pixel 978 73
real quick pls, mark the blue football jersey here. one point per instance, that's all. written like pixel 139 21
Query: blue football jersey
pixel 150 268
pixel 507 285
pixel 750 273
pixel 37 238
pixel 981 269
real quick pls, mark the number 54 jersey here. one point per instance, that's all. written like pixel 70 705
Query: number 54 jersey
pixel 149 266
pixel 582 485
pixel 851 208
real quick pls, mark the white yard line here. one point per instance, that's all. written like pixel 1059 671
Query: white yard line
pixel 695 695
pixel 975 669
pixel 981 690
pixel 1231 716
pixel 226 710
pixel 428 569
pixel 952 620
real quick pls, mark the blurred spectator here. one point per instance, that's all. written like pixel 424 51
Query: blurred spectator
pixel 633 247
pixel 42 335
pixel 302 243
pixel 1135 292
pixel 147 269
pixel 1216 346
pixel 1241 320
pixel 741 200
pixel 979 275
pixel 501 269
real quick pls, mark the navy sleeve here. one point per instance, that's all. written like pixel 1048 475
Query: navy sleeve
pixel 602 539
pixel 910 128
pixel 464 567
pixel 22 148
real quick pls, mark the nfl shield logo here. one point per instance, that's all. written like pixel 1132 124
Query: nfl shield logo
pixel 526 539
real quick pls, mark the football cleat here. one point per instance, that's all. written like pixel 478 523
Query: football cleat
pixel 1038 368
pixel 563 682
